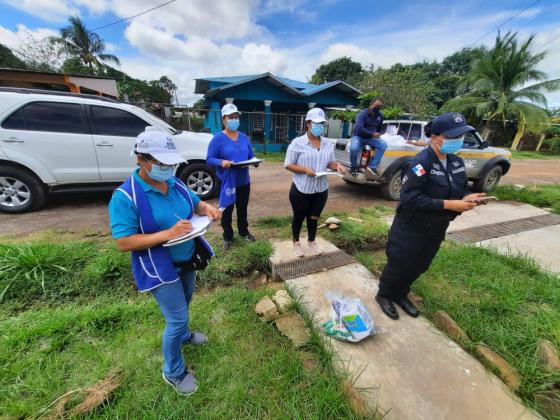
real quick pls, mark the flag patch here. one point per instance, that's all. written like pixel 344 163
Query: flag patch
pixel 419 170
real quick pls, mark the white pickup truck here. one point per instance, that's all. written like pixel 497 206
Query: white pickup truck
pixel 54 141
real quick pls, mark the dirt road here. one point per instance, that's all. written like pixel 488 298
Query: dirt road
pixel 269 196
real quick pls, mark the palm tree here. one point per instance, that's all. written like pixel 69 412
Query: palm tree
pixel 497 87
pixel 84 44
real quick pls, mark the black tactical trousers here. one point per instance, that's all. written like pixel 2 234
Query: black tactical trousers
pixel 410 251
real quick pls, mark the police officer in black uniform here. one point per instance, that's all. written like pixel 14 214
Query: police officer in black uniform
pixel 433 193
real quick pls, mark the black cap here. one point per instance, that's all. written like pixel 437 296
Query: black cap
pixel 451 125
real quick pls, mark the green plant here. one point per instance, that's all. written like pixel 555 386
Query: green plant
pixel 29 271
pixel 552 144
pixel 497 87
pixel 84 44
pixel 237 262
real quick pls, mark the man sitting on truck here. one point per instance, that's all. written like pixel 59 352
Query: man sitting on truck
pixel 367 130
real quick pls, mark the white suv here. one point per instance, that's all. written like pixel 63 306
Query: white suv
pixel 53 141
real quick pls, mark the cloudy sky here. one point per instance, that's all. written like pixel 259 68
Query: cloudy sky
pixel 187 39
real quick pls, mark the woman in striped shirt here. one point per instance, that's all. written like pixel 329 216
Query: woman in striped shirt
pixel 307 155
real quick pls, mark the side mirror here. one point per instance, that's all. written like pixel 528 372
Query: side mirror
pixel 484 144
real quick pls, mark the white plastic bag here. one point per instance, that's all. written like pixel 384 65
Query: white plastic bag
pixel 350 319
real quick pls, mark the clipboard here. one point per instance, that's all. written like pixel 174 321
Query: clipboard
pixel 246 163
pixel 200 227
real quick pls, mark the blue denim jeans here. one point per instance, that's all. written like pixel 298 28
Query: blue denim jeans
pixel 356 144
pixel 173 300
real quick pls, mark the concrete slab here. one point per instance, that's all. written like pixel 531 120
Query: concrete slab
pixel 283 250
pixel 411 370
pixel 541 244
pixel 495 212
pixel 502 211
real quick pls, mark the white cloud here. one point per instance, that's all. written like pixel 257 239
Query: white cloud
pixel 200 38
pixel 12 39
pixel 185 59
pixel 50 10
pixel 216 20
pixel 110 47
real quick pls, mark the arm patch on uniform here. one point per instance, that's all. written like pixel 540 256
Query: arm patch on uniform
pixel 418 170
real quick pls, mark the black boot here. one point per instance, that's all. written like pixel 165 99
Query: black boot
pixel 387 307
pixel 408 307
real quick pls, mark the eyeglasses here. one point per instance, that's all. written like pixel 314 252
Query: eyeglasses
pixel 161 166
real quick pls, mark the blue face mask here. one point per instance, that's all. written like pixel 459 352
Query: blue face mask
pixel 232 125
pixel 452 145
pixel 317 129
pixel 159 174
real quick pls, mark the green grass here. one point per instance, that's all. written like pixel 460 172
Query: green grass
pixel 76 316
pixel 271 157
pixel 527 154
pixel 547 196
pixel 247 370
pixel 505 301
pixel 353 236
pixel 37 273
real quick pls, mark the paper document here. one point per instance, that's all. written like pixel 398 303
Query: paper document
pixel 200 226
pixel 325 173
pixel 247 162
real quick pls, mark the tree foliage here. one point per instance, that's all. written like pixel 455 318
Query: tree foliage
pixel 403 87
pixel 41 54
pixel 9 60
pixel 55 55
pixel 84 44
pixel 343 68
pixel 496 86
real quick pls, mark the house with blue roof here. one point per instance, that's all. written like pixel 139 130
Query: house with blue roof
pixel 272 108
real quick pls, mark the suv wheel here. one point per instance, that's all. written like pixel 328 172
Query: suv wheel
pixel 489 181
pixel 201 179
pixel 20 191
pixel 392 189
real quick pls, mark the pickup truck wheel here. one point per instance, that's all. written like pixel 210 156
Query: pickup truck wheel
pixel 489 181
pixel 20 191
pixel 392 189
pixel 201 179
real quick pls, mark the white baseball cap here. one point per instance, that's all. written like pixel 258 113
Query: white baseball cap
pixel 229 109
pixel 158 144
pixel 317 115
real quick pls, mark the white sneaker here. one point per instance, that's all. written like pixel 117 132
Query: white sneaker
pixel 298 249
pixel 315 250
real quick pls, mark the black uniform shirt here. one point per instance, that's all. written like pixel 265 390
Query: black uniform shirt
pixel 426 182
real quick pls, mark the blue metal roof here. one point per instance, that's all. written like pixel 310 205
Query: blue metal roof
pixel 288 90
pixel 230 79
pixel 296 84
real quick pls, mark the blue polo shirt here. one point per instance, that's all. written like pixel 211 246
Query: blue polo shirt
pixel 124 215
pixel 221 147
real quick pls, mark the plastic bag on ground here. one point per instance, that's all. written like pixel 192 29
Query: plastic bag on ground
pixel 350 319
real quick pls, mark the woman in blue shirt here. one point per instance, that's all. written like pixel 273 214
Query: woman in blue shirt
pixel 151 208
pixel 225 148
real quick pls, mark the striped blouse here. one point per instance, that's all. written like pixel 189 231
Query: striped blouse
pixel 302 153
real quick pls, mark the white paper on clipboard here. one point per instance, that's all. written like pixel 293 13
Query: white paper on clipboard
pixel 200 226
